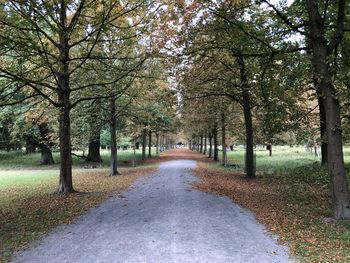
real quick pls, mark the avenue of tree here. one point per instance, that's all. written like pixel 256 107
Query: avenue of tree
pixel 88 73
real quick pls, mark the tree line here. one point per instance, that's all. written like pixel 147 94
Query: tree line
pixel 272 69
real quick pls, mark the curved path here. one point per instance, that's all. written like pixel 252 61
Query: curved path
pixel 161 219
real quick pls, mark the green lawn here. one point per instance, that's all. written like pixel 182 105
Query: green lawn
pixel 283 159
pixel 21 178
pixel 19 160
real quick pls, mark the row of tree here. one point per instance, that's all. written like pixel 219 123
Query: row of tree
pixel 268 70
pixel 72 69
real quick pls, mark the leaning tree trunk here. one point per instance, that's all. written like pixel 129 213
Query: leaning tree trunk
pixel 215 137
pixel 249 158
pixel 323 77
pixel 94 150
pixel 149 144
pixel 46 153
pixel 223 139
pixel 113 130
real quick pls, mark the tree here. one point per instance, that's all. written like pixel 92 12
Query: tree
pixel 55 42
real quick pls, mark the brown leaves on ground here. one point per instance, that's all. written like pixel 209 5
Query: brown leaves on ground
pixel 296 212
pixel 177 154
pixel 33 212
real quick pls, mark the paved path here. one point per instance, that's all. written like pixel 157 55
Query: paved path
pixel 161 219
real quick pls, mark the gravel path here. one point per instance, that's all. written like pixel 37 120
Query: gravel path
pixel 161 219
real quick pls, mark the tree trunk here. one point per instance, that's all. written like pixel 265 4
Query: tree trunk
pixel 249 158
pixel 30 144
pixel 323 77
pixel 201 144
pixel 144 135
pixel 134 155
pixel 94 150
pixel 113 130
pixel 169 142
pixel 205 145
pixel 63 92
pixel 150 144
pixel 223 138
pixel 323 129
pixel 215 137
pixel 137 145
pixel 210 145
pixel 46 153
pixel 157 143
pixel 65 183
pixel 163 143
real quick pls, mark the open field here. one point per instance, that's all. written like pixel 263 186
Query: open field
pixel 290 196
pixel 29 206
pixel 19 160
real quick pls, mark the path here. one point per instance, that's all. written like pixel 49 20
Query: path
pixel 161 219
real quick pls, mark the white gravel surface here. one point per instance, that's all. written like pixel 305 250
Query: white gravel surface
pixel 161 219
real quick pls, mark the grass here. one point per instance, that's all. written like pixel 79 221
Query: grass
pixel 290 196
pixel 18 160
pixel 29 206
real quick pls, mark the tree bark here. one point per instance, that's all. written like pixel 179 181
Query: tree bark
pixel 30 144
pixel 65 183
pixel 157 143
pixel 323 77
pixel 149 144
pixel 215 137
pixel 198 144
pixel 63 92
pixel 323 129
pixel 210 145
pixel 46 153
pixel 113 130
pixel 249 158
pixel 94 150
pixel 223 139
pixel 144 135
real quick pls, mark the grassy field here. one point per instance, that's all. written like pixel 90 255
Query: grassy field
pixel 292 161
pixel 291 196
pixel 18 160
pixel 29 206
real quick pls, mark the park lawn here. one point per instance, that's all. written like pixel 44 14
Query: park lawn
pixel 18 160
pixel 29 206
pixel 290 197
